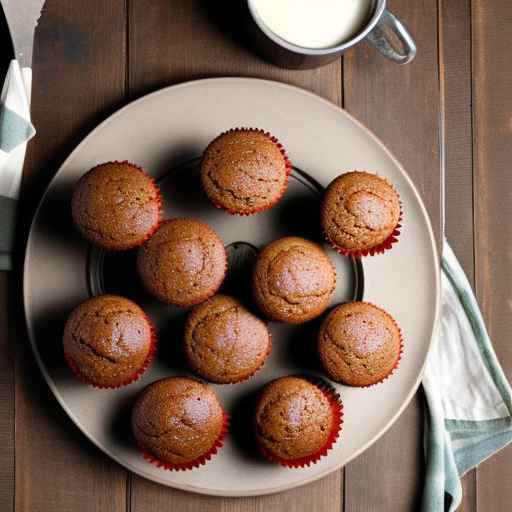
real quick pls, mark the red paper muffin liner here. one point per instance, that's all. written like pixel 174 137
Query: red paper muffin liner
pixel 200 461
pixel 145 365
pixel 372 251
pixel 400 352
pixel 337 422
pixel 288 165
pixel 159 200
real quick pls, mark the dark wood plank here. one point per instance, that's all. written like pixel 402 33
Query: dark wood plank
pixel 7 452
pixel 401 105
pixel 492 107
pixel 324 495
pixel 171 42
pixel 455 77
pixel 79 75
pixel 317 496
pixel 389 475
pixel 455 81
pixel 6 348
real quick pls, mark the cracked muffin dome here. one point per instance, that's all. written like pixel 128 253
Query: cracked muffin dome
pixel 224 342
pixel 245 171
pixel 183 263
pixel 296 421
pixel 359 344
pixel 178 423
pixel 116 206
pixel 293 280
pixel 108 341
pixel 360 214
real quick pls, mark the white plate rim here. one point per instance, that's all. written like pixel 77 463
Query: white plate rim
pixel 437 293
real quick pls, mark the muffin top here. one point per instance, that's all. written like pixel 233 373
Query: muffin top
pixel 184 262
pixel 244 171
pixel 177 420
pixel 359 344
pixel 108 340
pixel 293 280
pixel 359 211
pixel 293 418
pixel 116 206
pixel 224 342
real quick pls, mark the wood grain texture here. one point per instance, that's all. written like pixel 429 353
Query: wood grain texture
pixel 401 105
pixel 492 121
pixel 323 495
pixel 455 81
pixel 7 451
pixel 455 78
pixel 90 58
pixel 80 74
pixel 171 42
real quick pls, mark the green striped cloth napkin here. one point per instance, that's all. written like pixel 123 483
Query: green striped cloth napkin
pixel 15 131
pixel 469 401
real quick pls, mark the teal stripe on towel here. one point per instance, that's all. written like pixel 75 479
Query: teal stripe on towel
pixel 14 129
pixel 454 446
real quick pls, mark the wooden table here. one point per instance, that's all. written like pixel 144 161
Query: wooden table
pixel 93 56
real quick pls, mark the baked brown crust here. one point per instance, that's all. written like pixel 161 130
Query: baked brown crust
pixel 184 262
pixel 293 418
pixel 359 344
pixel 224 342
pixel 177 420
pixel 293 280
pixel 116 206
pixel 244 171
pixel 359 211
pixel 108 339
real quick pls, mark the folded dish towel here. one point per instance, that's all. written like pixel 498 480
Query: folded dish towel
pixel 15 131
pixel 469 401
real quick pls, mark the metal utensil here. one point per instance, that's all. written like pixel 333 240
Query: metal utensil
pixel 22 17
pixel 288 55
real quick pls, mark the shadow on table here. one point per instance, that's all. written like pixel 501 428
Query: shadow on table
pixel 7 52
pixel 234 20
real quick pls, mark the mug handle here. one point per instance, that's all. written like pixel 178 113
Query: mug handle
pixel 377 38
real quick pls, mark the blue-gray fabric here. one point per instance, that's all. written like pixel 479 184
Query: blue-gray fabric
pixel 14 129
pixel 453 446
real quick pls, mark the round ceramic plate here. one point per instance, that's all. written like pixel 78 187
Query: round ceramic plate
pixel 166 132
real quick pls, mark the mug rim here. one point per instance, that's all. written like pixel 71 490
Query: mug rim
pixel 380 7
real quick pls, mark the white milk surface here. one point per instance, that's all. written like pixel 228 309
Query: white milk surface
pixel 314 23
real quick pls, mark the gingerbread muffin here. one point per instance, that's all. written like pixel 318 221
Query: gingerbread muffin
pixel 178 423
pixel 296 421
pixel 360 214
pixel 184 263
pixel 224 342
pixel 293 280
pixel 116 206
pixel 108 341
pixel 245 171
pixel 359 344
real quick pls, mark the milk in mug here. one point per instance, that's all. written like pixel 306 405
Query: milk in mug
pixel 314 23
